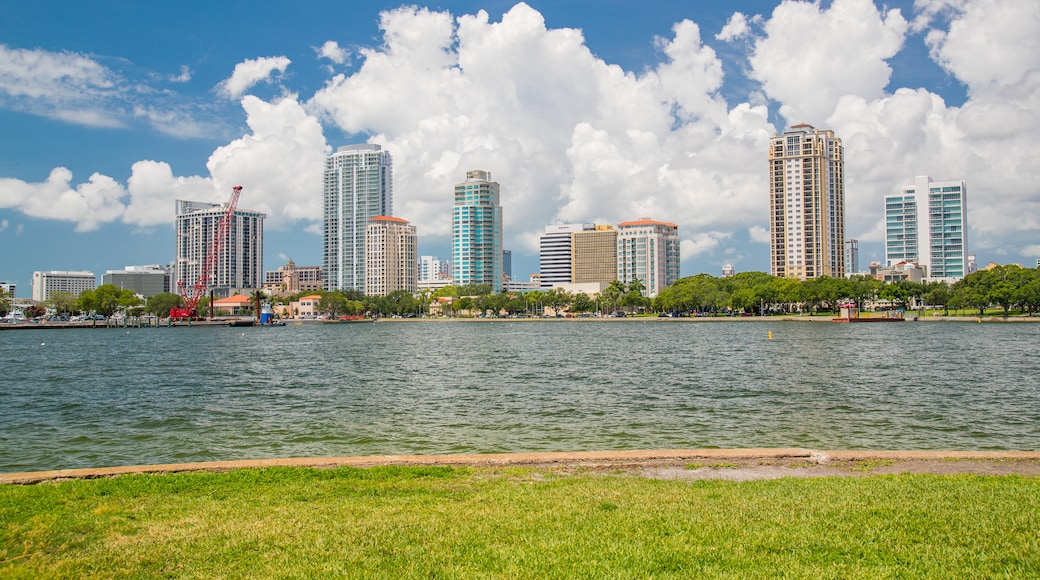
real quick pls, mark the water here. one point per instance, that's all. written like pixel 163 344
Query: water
pixel 106 397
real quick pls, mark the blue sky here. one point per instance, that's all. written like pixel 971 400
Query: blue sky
pixel 584 111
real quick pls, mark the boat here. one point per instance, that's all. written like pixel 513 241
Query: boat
pixel 850 313
pixel 347 319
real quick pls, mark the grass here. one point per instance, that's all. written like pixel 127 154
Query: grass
pixel 406 522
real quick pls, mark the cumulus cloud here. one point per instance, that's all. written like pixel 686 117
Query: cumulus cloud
pixel 88 205
pixel 183 77
pixel 332 51
pixel 250 72
pixel 3 225
pixel 811 56
pixel 758 234
pixel 736 27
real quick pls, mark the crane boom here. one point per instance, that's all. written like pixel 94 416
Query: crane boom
pixel 194 295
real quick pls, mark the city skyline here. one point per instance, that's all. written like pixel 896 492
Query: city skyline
pixel 585 112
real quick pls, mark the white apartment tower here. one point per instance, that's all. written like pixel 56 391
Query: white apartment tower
pixel 807 204
pixel 240 263
pixel 554 253
pixel 926 224
pixel 476 230
pixel 391 249
pixel 357 186
pixel 648 250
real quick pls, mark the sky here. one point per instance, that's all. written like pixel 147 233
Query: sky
pixel 584 111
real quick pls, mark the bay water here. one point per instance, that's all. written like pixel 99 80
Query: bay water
pixel 74 398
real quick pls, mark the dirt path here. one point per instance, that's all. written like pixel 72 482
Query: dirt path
pixel 728 464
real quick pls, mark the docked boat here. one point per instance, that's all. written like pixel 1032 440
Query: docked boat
pixel 347 319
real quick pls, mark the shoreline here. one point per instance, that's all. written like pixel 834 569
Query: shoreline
pixel 688 319
pixel 736 464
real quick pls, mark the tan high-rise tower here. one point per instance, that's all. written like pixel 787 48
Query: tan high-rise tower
pixel 807 204
pixel 391 256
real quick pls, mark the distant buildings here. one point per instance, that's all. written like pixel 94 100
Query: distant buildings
pixel 648 250
pixel 926 224
pixel 807 204
pixel 240 263
pixel 554 253
pixel 476 228
pixel 291 279
pixel 45 284
pixel 851 257
pixel 728 270
pixel 147 281
pixel 357 186
pixel 391 248
pixel 9 288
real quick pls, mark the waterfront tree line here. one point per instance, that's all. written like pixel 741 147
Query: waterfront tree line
pixel 1009 288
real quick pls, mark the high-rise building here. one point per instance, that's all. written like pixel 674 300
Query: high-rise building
pixel 45 284
pixel 851 257
pixel 358 186
pixel 507 266
pixel 807 204
pixel 648 250
pixel 9 288
pixel 391 251
pixel 240 263
pixel 926 224
pixel 594 255
pixel 554 253
pixel 144 280
pixel 476 229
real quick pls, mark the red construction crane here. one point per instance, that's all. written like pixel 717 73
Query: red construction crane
pixel 194 294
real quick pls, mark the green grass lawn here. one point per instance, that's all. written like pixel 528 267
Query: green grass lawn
pixel 404 522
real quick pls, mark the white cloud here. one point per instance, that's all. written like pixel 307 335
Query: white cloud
pixel 985 63
pixel 700 243
pixel 332 51
pixel 89 205
pixel 810 56
pixel 3 225
pixel 183 77
pixel 278 164
pixel 1032 250
pixel 758 234
pixel 736 27
pixel 153 190
pixel 250 72
pixel 60 85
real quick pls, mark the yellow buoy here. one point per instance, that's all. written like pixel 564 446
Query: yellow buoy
pixel 770 335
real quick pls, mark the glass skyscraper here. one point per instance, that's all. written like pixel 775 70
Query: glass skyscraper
pixel 926 224
pixel 476 231
pixel 358 186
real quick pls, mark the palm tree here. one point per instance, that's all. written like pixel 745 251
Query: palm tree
pixel 257 297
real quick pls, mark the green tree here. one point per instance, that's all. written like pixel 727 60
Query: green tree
pixel 62 302
pixel 582 303
pixel 939 294
pixel 257 298
pixel 613 293
pixel 161 304
pixel 5 302
pixel 557 298
pixel 106 299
